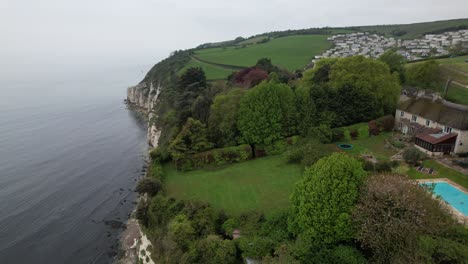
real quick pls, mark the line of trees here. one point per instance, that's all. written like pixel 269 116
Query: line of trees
pixel 337 92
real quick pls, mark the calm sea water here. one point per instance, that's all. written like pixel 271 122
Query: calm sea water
pixel 70 155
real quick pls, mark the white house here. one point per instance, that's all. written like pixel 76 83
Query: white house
pixel 438 126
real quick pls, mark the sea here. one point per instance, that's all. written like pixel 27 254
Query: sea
pixel 70 156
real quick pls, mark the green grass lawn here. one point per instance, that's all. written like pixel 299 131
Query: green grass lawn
pixel 365 144
pixel 263 184
pixel 212 72
pixel 374 146
pixel 442 172
pixel 293 52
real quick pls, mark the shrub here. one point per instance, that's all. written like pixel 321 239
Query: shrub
pixel 373 128
pixel 149 186
pixel 307 151
pixel 156 154
pixel 229 226
pixel 398 144
pixel 279 146
pixel 347 255
pixel 255 246
pixel 354 133
pixel 413 156
pixel 141 212
pixel 216 156
pixel 386 123
pixel 155 171
pixel 323 133
pixel 337 134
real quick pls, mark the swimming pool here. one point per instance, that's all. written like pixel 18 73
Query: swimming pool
pixel 452 195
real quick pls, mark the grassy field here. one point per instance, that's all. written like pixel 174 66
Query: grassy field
pixel 291 53
pixel 442 172
pixel 415 30
pixel 263 184
pixel 212 72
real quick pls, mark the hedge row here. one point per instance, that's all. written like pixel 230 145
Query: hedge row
pixel 215 156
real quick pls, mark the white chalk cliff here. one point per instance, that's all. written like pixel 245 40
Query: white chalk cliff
pixel 145 98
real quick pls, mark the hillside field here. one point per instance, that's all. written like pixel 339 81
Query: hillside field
pixel 212 72
pixel 291 53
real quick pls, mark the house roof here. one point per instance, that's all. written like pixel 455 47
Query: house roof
pixel 436 138
pixel 440 111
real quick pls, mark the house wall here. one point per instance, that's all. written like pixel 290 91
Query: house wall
pixel 463 140
pixel 462 135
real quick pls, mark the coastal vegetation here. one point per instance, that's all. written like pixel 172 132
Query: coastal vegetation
pixel 285 166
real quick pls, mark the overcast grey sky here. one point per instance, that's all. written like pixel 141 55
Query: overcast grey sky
pixel 92 33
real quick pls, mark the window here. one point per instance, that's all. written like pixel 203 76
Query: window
pixel 414 118
pixel 447 129
pixel 428 122
pixel 402 113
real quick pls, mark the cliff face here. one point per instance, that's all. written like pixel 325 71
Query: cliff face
pixel 145 98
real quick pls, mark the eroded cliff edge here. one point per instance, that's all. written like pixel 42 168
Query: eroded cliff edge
pixel 144 97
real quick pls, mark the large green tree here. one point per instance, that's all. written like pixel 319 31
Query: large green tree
pixel 424 74
pixel 306 111
pixel 392 215
pixel 267 113
pixel 367 76
pixel 323 200
pixel 395 62
pixel 222 123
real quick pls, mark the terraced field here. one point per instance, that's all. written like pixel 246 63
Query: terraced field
pixel 291 53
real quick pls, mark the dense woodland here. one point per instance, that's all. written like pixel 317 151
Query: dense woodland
pixel 341 210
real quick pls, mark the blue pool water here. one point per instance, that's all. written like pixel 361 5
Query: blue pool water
pixel 455 197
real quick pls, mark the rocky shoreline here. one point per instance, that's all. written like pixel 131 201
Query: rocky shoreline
pixel 134 244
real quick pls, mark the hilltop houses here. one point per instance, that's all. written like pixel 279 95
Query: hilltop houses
pixel 437 126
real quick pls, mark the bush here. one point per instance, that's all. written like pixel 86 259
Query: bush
pixel 337 134
pixel 373 128
pixel 307 152
pixel 156 154
pixel 279 146
pixel 386 123
pixel 149 186
pixel 141 212
pixel 398 144
pixel 323 133
pixel 256 246
pixel 216 156
pixel 413 156
pixel 354 133
pixel 155 171
pixel 347 255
